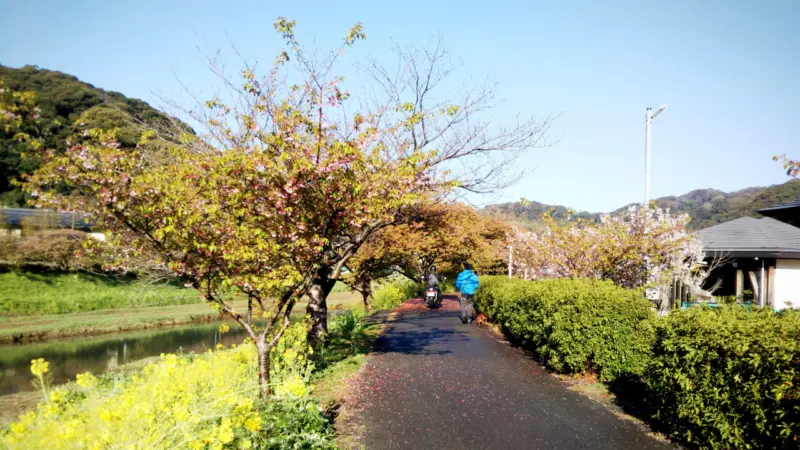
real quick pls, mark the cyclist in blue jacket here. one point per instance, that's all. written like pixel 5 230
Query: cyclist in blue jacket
pixel 467 282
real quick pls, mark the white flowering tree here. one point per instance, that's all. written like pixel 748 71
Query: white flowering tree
pixel 642 248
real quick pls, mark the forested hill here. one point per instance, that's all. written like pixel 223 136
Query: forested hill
pixel 64 101
pixel 529 213
pixel 706 207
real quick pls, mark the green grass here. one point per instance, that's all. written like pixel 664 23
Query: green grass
pixel 339 287
pixel 28 293
pixel 330 386
pixel 35 328
pixel 43 327
pixel 352 338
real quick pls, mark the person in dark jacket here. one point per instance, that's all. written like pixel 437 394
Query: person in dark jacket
pixel 467 282
pixel 433 281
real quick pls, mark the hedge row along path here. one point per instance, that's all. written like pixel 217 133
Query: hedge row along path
pixel 435 383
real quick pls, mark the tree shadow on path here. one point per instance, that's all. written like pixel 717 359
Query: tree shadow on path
pixel 423 332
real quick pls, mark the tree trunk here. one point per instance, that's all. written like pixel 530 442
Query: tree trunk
pixel 317 310
pixel 366 292
pixel 249 309
pixel 263 367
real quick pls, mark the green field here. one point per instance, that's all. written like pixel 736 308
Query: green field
pixel 29 293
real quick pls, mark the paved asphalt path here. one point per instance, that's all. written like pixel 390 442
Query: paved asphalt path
pixel 435 383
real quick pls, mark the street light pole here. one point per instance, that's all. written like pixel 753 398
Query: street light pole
pixel 649 115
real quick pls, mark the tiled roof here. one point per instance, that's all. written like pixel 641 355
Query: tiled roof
pixel 747 236
pixel 782 206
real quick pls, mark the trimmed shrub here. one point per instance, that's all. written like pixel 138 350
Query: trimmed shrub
pixel 62 248
pixel 728 378
pixel 574 326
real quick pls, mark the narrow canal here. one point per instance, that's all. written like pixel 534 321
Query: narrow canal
pixel 103 353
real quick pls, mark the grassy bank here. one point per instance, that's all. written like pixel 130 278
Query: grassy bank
pixel 23 329
pixel 31 293
pixel 26 292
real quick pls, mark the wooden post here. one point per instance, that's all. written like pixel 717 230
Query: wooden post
pixel 510 260
pixel 739 285
pixel 675 300
pixel 754 283
pixel 762 293
pixel 771 287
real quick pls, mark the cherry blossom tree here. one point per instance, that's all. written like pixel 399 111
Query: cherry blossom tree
pixel 272 199
pixel 792 167
pixel 445 235
pixel 641 248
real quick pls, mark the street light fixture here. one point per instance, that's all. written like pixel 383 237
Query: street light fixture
pixel 648 123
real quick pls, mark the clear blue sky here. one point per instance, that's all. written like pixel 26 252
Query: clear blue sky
pixel 727 69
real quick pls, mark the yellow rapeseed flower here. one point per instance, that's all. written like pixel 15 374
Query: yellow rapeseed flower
pixel 253 423
pixel 211 398
pixel 18 427
pixel 39 367
pixel 50 409
pixel 57 395
pixel 87 379
pixel 224 328
pixel 293 386
pixel 225 431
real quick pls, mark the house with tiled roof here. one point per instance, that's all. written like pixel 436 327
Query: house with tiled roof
pixel 759 255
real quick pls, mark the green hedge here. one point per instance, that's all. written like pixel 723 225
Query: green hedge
pixel 393 293
pixel 574 326
pixel 728 378
pixel 716 377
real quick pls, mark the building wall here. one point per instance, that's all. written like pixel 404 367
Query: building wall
pixel 787 284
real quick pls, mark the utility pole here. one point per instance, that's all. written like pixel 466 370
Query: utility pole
pixel 510 260
pixel 649 115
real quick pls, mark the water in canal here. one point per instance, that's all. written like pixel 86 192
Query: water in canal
pixel 99 354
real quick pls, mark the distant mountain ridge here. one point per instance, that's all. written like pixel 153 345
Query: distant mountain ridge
pixel 706 207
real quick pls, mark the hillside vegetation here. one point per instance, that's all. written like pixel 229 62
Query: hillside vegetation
pixel 706 207
pixel 67 104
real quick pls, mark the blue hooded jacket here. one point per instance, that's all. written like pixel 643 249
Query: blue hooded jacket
pixel 467 282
